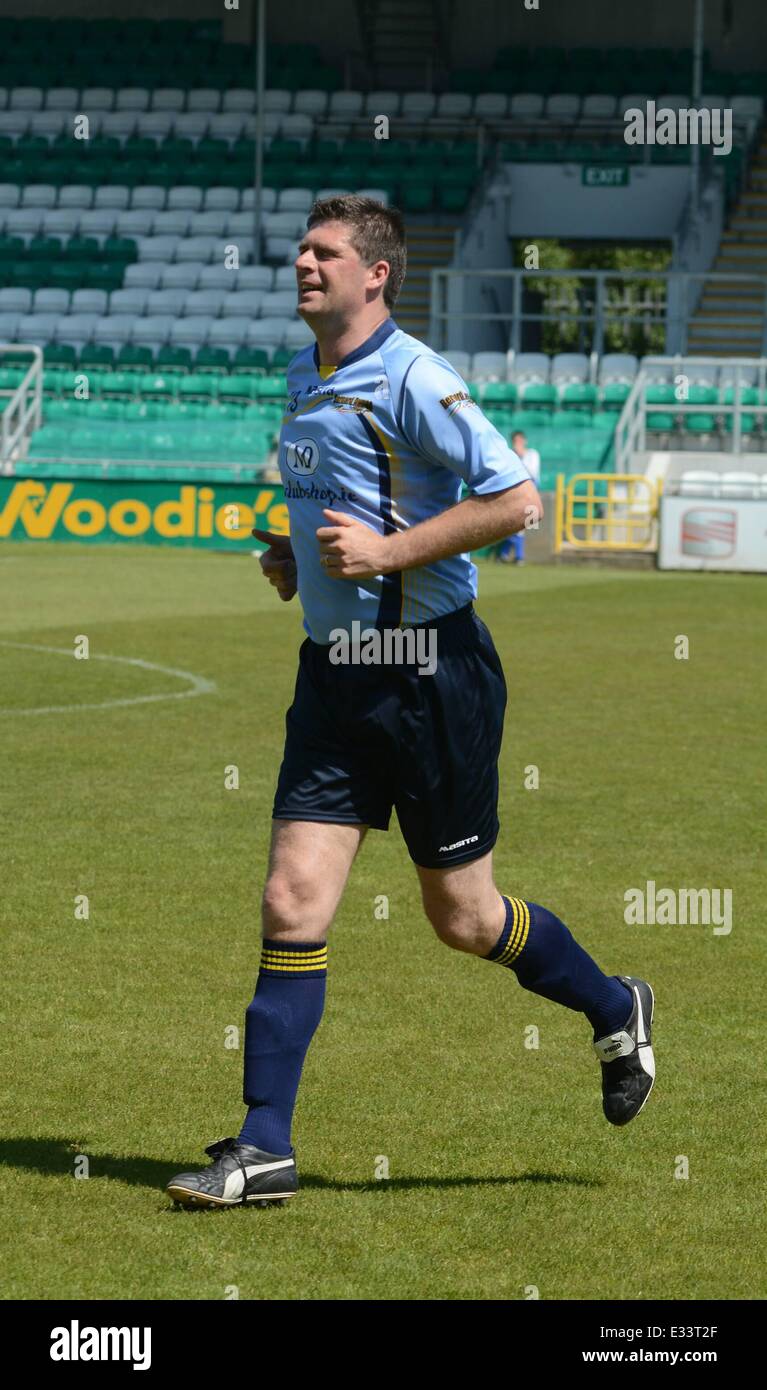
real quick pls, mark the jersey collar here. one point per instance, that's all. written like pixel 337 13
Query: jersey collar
pixel 370 344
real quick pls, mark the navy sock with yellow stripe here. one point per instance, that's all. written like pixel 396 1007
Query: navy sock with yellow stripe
pixel 279 1025
pixel 547 959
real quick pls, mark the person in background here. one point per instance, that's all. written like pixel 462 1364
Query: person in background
pixel 512 550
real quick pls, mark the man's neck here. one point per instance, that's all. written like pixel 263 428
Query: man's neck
pixel 336 343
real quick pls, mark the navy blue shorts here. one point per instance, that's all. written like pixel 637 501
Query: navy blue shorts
pixel 363 739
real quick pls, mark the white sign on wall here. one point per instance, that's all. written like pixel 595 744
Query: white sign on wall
pixel 702 534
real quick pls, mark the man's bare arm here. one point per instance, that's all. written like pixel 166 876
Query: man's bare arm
pixel 350 549
pixel 469 525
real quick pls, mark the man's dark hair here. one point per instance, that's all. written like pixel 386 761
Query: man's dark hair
pixel 378 234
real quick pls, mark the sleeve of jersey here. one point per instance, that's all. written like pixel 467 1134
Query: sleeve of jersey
pixel 443 423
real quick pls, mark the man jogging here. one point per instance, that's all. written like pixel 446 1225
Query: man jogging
pixel 378 435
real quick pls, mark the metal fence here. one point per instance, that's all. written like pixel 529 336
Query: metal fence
pixel 602 298
pixel 21 407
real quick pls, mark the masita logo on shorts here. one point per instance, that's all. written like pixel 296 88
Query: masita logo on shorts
pixel 76 1343
pixel 459 844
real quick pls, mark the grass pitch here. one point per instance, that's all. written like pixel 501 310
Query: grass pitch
pixel 503 1175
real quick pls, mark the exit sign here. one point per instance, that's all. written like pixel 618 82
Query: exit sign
pixel 605 175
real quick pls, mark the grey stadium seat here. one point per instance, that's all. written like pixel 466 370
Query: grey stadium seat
pixel 158 248
pixel 221 199
pixel 76 329
pixel 255 277
pixel 531 367
pixel 86 301
pixel 243 304
pixel 563 106
pixel 348 104
pixel 239 99
pixel 166 302
pixel 458 359
pixel 217 277
pixel 153 330
pixel 136 222
pixel 279 304
pixel 204 303
pixel 488 366
pixel 15 299
pixel 168 99
pixel 456 105
pixel 49 301
pixel 569 367
pixel 62 222
pixel 210 224
pixel 38 195
pixel 382 103
pixel 131 99
pixel 75 195
pixel 61 99
pixel 129 301
pixel 229 333
pixel 203 99
pixel 173 222
pixel 97 99
pixel 148 196
pixel 192 331
pixel 185 276
pixel 112 195
pixel 491 105
pixel 98 222
pixel 527 105
pixel 277 99
pixel 184 198
pixel 618 367
pixel 310 102
pixel 143 275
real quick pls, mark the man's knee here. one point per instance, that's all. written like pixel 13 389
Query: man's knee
pixel 462 924
pixel 293 904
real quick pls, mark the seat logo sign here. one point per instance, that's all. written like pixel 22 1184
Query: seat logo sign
pixel 302 457
pixel 709 531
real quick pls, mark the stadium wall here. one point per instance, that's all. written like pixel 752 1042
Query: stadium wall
pixel 552 200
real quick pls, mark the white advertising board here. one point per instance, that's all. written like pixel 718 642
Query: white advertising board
pixel 698 533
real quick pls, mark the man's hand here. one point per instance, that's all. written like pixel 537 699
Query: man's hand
pixel 349 549
pixel 278 563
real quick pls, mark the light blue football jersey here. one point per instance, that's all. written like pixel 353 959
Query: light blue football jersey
pixel 387 436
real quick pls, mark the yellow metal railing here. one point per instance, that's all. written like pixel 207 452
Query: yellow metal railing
pixel 606 511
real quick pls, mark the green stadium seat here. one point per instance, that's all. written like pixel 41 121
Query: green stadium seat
pixel 538 395
pixel 250 360
pixel 614 395
pixel 578 396
pixel 498 392
pixel 210 359
pixel 199 386
pixel 174 359
pixel 59 355
pixel 96 356
pixel 134 359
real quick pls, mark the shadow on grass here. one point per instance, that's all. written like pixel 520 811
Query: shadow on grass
pixel 57 1158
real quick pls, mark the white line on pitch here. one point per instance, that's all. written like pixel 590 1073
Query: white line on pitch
pixel 199 685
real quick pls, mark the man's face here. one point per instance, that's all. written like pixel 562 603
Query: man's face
pixel 332 280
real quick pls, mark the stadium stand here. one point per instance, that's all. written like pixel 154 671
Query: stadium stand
pixel 116 238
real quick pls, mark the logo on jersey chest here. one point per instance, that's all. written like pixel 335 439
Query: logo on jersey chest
pixel 302 457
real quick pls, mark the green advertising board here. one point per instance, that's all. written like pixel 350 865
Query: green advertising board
pixel 605 175
pixel 214 515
